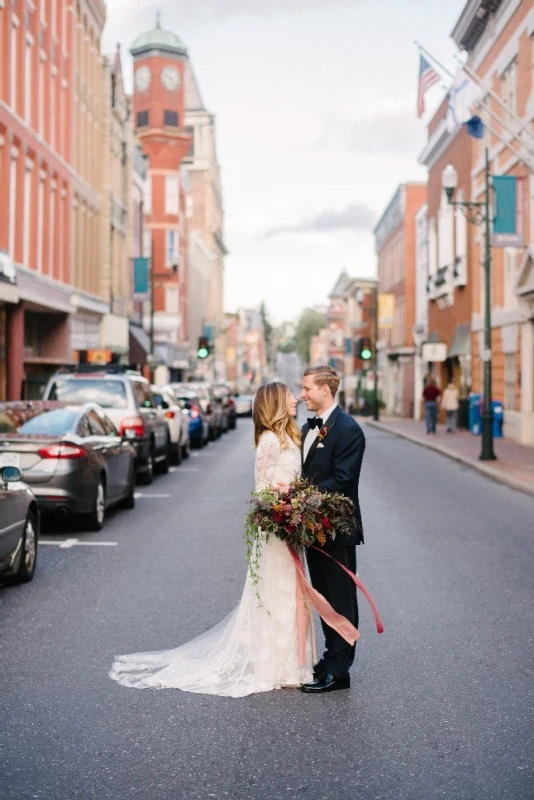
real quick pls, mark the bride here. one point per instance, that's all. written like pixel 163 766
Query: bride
pixel 254 649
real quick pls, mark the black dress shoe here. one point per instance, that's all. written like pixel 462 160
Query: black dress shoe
pixel 326 683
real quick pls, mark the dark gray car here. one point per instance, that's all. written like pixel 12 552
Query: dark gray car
pixel 19 527
pixel 72 457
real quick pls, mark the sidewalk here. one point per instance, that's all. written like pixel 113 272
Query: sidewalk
pixel 514 465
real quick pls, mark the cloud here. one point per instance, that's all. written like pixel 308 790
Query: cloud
pixel 395 133
pixel 354 217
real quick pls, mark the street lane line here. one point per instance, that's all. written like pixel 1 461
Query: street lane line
pixel 156 496
pixel 189 469
pixel 66 544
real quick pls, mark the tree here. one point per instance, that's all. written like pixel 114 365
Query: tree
pixel 267 330
pixel 309 324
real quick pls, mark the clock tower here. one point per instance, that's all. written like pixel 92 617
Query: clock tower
pixel 160 64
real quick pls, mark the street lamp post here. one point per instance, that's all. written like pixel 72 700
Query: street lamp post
pixel 479 214
pixel 376 405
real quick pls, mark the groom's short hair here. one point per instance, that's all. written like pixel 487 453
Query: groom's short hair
pixel 324 375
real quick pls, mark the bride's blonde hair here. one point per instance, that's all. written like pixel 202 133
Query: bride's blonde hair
pixel 271 413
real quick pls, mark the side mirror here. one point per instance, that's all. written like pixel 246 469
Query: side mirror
pixel 11 474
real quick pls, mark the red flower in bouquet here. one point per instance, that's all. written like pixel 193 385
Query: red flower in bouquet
pixel 326 523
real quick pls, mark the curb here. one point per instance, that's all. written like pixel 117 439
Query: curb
pixel 468 462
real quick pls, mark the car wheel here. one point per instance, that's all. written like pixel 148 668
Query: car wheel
pixel 129 500
pixel 147 477
pixel 163 465
pixel 212 434
pixel 176 457
pixel 186 450
pixel 96 517
pixel 232 425
pixel 28 552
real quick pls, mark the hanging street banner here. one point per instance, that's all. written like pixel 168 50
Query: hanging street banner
pixel 386 310
pixel 141 288
pixel 508 209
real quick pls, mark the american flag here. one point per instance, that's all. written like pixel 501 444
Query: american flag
pixel 427 78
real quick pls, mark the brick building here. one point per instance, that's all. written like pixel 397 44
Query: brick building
pixel 160 62
pixel 395 243
pixel 49 184
pixel 449 262
pixel 498 36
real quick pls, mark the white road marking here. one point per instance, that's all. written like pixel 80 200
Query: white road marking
pixel 66 544
pixel 156 496
pixel 189 469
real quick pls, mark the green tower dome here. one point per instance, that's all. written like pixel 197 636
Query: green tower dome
pixel 158 39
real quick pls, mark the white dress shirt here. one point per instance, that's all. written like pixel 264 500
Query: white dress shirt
pixel 312 434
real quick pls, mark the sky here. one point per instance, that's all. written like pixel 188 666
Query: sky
pixel 316 126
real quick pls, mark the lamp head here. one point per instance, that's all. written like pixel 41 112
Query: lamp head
pixel 449 180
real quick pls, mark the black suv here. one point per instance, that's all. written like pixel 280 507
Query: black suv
pixel 127 399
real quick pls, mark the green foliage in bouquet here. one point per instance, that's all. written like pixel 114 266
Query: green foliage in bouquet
pixel 302 517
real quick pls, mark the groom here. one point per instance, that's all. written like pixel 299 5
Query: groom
pixel 332 451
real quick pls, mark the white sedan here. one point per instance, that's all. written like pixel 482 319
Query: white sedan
pixel 178 425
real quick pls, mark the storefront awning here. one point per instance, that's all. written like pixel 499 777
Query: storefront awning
pixel 461 344
pixel 139 342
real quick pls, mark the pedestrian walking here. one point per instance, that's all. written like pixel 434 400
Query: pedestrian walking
pixel 451 404
pixel 430 396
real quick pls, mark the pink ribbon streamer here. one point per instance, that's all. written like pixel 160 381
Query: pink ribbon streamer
pixel 339 623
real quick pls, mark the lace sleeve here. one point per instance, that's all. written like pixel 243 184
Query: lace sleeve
pixel 267 455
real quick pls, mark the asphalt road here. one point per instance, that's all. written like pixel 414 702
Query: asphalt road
pixel 441 704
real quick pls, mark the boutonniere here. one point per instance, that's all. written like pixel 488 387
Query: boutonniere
pixel 322 433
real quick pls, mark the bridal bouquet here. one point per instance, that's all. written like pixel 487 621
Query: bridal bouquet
pixel 302 517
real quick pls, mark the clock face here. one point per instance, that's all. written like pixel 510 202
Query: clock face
pixel 143 76
pixel 170 78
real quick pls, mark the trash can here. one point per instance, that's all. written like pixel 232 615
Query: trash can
pixel 474 413
pixel 498 418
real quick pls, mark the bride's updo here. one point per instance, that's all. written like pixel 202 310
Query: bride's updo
pixel 271 413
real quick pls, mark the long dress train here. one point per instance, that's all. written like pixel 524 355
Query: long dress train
pixel 254 649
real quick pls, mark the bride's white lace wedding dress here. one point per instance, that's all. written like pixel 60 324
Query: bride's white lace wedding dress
pixel 254 649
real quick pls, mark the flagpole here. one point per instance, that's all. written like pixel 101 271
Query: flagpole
pixel 472 74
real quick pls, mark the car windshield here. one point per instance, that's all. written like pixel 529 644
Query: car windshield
pixel 50 423
pixel 107 393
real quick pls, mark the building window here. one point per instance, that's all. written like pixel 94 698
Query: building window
pixel 509 377
pixel 171 194
pixel 171 248
pixel 41 99
pixel 28 83
pixel 27 217
pixel 191 151
pixel 40 223
pixel 170 118
pixel 142 119
pixel 12 206
pixel 509 89
pixel 147 205
pixel 13 68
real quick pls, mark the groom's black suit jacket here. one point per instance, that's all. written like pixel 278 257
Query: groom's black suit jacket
pixel 336 466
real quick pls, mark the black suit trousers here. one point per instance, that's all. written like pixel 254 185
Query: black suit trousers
pixel 340 591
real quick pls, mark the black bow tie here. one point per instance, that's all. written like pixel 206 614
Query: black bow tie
pixel 315 422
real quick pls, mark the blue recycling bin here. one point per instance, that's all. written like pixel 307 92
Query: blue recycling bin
pixel 475 422
pixel 498 418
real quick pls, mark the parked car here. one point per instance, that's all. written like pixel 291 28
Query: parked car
pixel 224 396
pixel 178 424
pixel 198 423
pixel 73 458
pixel 212 410
pixel 19 527
pixel 128 401
pixel 244 404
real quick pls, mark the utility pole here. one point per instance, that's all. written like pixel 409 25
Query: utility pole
pixel 376 405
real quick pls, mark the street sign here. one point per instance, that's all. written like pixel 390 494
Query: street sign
pixel 485 355
pixel 434 351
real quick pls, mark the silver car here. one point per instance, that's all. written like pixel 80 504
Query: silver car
pixel 19 527
pixel 73 457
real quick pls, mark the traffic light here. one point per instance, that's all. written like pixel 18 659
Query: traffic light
pixel 203 347
pixel 364 349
